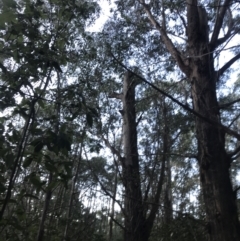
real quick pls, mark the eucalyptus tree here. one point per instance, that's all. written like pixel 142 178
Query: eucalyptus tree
pixel 192 34
pixel 141 130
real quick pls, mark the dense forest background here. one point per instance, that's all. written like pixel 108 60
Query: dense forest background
pixel 128 133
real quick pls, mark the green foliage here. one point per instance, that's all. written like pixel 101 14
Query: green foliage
pixel 57 84
pixel 37 40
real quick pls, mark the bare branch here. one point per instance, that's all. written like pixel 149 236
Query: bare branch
pixel 102 186
pixel 119 224
pixel 229 33
pixel 223 106
pixel 116 95
pixel 221 71
pixel 113 150
pixel 234 119
pixel 183 20
pixel 219 21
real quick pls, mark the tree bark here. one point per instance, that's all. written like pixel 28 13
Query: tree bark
pixel 112 211
pixel 45 210
pixel 134 219
pixel 214 163
pixel 137 226
pixel 168 209
pixel 72 193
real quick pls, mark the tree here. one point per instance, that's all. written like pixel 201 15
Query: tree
pixel 154 135
pixel 195 55
pixel 65 92
pixel 38 45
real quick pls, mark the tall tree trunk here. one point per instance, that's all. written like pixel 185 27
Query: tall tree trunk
pixel 137 226
pixel 214 163
pixel 134 219
pixel 70 205
pixel 49 192
pixel 168 210
pixel 113 204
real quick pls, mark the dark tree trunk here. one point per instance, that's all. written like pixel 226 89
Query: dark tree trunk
pixel 48 196
pixel 214 163
pixel 134 219
pixel 110 237
pixel 198 65
pixel 137 226
pixel 168 209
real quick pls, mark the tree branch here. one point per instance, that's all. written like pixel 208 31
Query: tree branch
pixel 113 150
pixel 166 40
pixel 119 224
pixel 223 106
pixel 116 95
pixel 229 33
pixel 219 21
pixel 102 186
pixel 221 71
pixel 185 107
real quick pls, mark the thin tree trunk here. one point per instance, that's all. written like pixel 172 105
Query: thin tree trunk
pixel 45 210
pixel 50 179
pixel 57 210
pixel 72 195
pixel 112 207
pixel 168 210
pixel 20 149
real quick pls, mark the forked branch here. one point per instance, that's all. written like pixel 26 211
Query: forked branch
pixel 219 21
pixel 166 40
